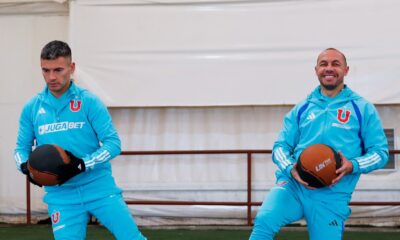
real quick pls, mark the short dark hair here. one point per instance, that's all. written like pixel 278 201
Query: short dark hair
pixel 334 49
pixel 56 49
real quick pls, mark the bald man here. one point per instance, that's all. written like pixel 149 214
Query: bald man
pixel 336 116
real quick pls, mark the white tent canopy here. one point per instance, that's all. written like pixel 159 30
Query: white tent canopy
pixel 186 53
pixel 36 7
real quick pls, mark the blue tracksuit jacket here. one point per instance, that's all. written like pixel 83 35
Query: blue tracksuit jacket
pixel 78 122
pixel 334 121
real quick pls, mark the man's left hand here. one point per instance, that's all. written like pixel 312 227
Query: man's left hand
pixel 346 168
pixel 71 169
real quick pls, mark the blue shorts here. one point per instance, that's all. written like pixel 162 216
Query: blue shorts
pixel 289 201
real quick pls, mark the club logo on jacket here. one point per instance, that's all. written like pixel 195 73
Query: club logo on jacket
pixel 55 217
pixel 75 105
pixel 343 116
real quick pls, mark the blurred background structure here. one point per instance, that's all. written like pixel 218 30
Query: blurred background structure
pixel 200 75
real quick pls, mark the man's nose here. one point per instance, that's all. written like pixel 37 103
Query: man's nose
pixel 52 75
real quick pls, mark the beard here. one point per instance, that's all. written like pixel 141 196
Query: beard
pixel 331 87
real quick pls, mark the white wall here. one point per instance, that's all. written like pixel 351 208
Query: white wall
pixel 224 53
pixel 21 38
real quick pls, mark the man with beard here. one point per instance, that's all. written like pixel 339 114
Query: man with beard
pixel 336 116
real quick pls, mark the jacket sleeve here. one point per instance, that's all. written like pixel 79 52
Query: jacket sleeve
pixel 283 149
pixel 110 144
pixel 375 143
pixel 25 137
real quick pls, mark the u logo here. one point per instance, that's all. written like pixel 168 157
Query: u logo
pixel 75 105
pixel 55 217
pixel 343 117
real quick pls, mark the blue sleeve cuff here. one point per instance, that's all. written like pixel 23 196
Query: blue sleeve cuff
pixel 356 166
pixel 288 170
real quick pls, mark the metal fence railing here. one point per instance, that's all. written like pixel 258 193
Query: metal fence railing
pixel 248 203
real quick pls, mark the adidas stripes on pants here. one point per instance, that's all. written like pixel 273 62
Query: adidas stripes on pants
pixel 289 201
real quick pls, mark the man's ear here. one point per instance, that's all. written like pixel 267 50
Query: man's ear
pixel 347 70
pixel 72 66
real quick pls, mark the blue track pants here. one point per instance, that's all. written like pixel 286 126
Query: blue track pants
pixel 289 201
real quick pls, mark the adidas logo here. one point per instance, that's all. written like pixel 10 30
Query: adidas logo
pixel 333 223
pixel 311 116
pixel 41 111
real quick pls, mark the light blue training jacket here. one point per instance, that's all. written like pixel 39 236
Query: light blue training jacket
pixel 334 122
pixel 78 122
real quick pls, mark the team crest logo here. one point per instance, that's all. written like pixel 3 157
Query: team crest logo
pixel 343 116
pixel 75 105
pixel 55 217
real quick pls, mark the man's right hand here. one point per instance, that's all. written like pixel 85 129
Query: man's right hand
pixel 25 170
pixel 296 176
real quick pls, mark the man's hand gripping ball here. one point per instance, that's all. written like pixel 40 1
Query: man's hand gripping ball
pixel 50 165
